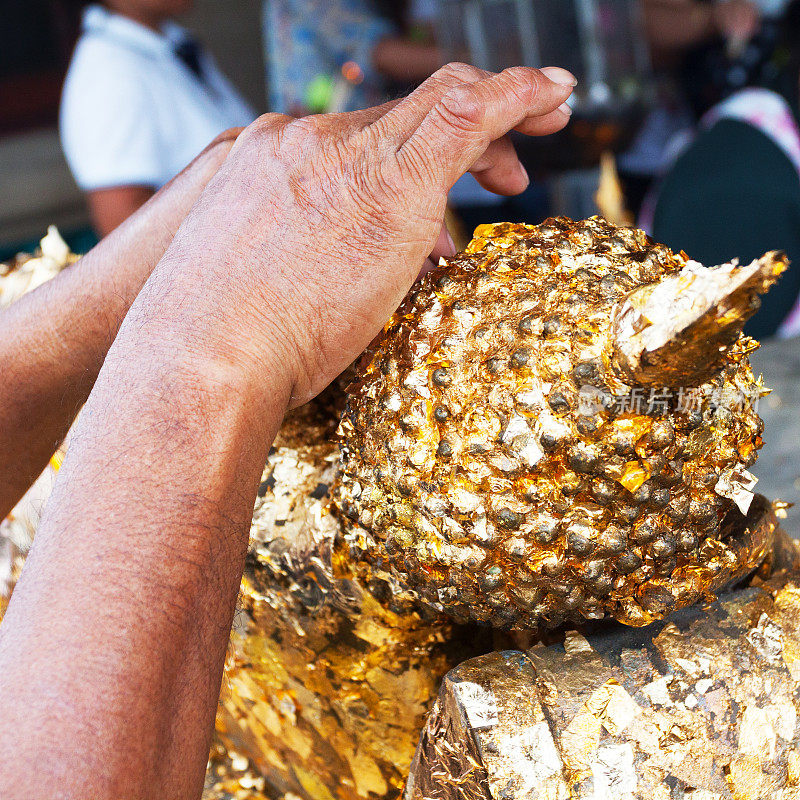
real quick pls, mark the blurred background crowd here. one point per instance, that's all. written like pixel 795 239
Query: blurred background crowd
pixel 692 103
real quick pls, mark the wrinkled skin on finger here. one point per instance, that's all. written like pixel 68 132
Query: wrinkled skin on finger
pixel 330 218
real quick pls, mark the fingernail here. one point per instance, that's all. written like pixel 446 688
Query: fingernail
pixel 565 109
pixel 560 76
pixel 524 172
pixel 450 242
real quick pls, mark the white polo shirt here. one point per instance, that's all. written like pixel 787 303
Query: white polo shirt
pixel 132 113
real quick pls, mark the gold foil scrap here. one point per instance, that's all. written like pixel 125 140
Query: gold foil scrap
pixel 229 776
pixel 25 273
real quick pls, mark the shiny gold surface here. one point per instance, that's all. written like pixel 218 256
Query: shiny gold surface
pixel 331 668
pixel 680 331
pixel 703 707
pixel 335 659
pixel 230 776
pixel 506 469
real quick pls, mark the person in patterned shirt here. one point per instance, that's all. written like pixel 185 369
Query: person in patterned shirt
pixel 340 55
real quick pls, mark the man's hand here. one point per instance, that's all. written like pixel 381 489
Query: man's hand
pixel 735 19
pixel 672 26
pixel 299 249
pixel 330 218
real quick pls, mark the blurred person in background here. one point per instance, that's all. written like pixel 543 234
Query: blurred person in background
pixel 140 101
pixel 714 45
pixel 342 55
pixel 675 26
pixel 692 45
pixel 703 51
pixel 734 191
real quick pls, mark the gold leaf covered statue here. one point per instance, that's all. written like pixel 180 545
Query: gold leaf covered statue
pixel 556 426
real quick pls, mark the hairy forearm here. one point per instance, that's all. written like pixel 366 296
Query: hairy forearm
pixel 53 341
pixel 113 644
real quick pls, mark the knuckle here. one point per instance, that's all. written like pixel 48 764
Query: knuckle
pixel 307 128
pixel 261 130
pixel 229 135
pixel 461 109
pixel 268 123
pixel 301 135
pixel 222 142
pixel 489 160
pixel 457 71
